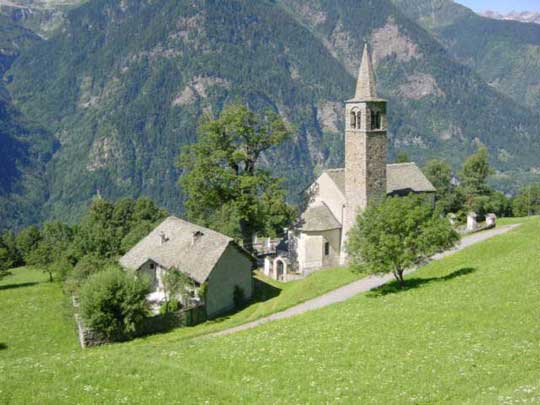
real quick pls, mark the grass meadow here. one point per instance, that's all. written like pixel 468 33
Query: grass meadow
pixel 466 330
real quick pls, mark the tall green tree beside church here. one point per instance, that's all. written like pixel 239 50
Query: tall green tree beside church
pixel 226 186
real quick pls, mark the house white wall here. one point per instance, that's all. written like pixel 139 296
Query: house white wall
pixel 154 273
pixel 311 250
pixel 233 269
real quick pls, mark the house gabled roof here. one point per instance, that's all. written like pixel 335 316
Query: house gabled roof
pixel 319 218
pixel 407 176
pixel 399 177
pixel 192 249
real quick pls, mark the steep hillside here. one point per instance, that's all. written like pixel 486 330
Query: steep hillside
pixel 438 107
pixel 41 16
pixel 24 147
pixel 505 53
pixel 123 85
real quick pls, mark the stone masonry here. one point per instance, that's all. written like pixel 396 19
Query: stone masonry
pixel 365 147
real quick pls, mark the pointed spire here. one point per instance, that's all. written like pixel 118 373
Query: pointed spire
pixel 365 87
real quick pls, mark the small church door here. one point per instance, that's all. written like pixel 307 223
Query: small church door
pixel 280 270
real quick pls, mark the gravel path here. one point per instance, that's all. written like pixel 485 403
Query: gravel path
pixel 359 286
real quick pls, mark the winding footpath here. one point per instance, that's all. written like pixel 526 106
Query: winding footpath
pixel 360 286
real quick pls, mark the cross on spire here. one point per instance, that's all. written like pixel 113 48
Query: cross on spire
pixel 365 86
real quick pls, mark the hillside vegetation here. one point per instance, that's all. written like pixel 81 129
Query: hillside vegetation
pixel 123 85
pixel 465 331
pixel 25 147
pixel 506 54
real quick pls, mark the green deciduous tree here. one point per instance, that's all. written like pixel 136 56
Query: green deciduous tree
pixel 104 227
pixel 397 234
pixel 474 175
pixel 226 187
pixel 448 197
pixel 27 242
pixel 9 254
pixel 527 201
pixel 402 157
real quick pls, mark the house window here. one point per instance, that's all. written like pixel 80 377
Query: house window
pixel 152 266
pixel 327 249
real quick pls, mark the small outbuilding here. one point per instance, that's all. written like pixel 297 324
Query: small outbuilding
pixel 205 256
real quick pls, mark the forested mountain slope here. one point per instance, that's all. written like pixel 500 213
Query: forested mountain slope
pixel 123 85
pixel 24 148
pixel 41 16
pixel 505 53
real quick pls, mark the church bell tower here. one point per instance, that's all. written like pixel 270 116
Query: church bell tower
pixel 365 146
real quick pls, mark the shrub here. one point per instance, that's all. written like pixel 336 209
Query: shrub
pixel 113 304
pixel 170 306
pixel 86 267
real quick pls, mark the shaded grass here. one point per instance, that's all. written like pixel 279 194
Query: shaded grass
pixel 395 287
pixel 457 338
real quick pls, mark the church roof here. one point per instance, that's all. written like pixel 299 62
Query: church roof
pixel 190 248
pixel 319 218
pixel 365 85
pixel 406 176
pixel 399 177
pixel 338 177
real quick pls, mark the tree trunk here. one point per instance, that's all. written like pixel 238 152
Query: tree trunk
pixel 398 274
pixel 247 236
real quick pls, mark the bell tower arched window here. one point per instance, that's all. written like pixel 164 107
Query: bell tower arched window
pixel 375 120
pixel 353 120
pixel 358 119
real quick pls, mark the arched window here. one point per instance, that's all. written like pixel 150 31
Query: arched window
pixel 359 119
pixel 375 120
pixel 353 120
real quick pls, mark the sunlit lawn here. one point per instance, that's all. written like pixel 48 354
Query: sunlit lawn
pixel 466 331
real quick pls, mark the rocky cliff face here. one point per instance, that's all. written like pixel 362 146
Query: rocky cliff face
pixel 123 84
pixel 503 51
pixel 42 16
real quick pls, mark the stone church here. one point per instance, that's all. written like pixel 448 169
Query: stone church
pixel 338 195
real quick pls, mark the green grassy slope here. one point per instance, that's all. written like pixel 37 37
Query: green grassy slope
pixel 466 331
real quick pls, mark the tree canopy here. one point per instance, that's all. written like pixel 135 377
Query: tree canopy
pixel 527 201
pixel 398 233
pixel 227 187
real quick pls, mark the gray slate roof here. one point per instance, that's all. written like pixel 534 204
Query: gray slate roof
pixel 319 218
pixel 407 176
pixel 399 176
pixel 195 258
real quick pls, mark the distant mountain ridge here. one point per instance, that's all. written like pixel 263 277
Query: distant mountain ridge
pixel 123 84
pixel 521 16
pixel 505 53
